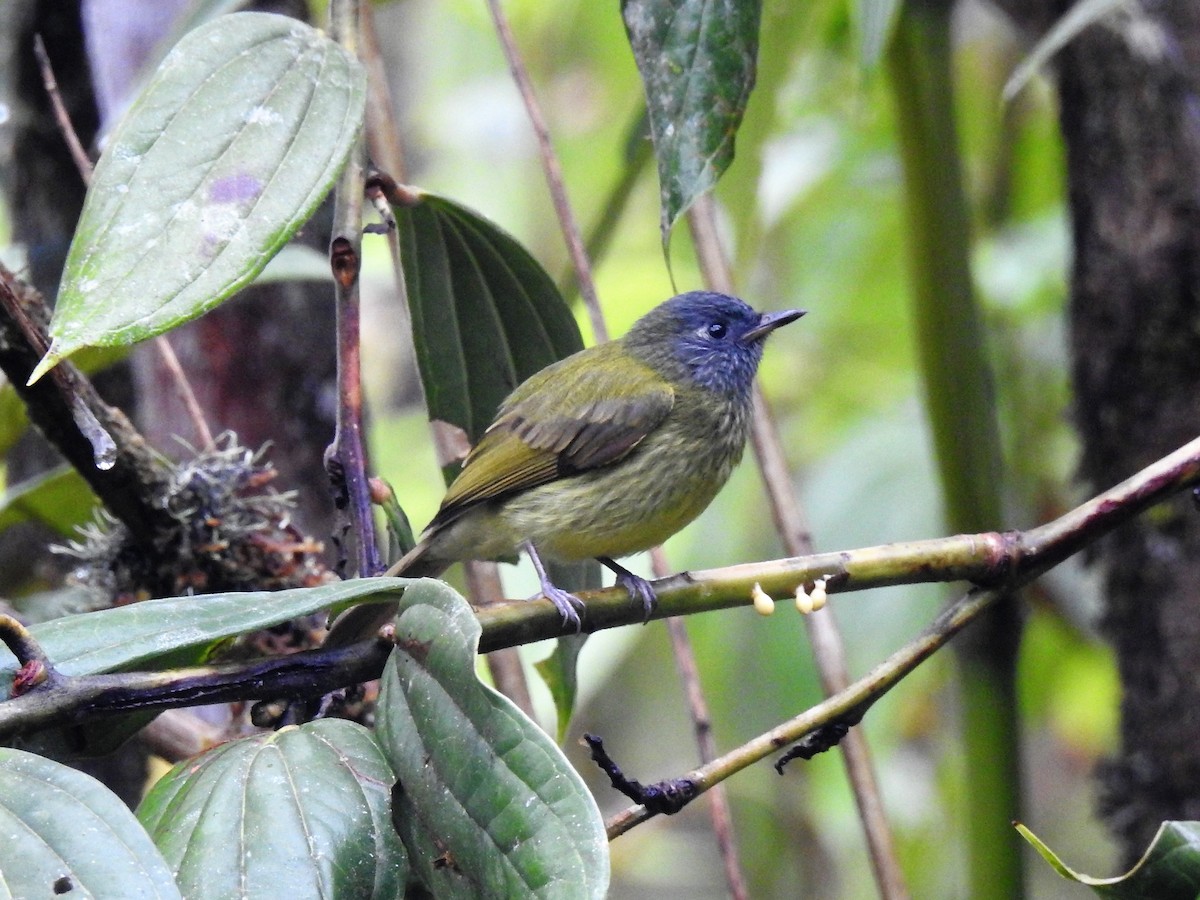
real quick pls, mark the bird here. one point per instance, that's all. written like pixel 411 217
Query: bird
pixel 605 453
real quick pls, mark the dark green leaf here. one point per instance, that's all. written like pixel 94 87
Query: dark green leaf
pixel 485 315
pixel 301 812
pixel 139 634
pixel 225 154
pixel 485 802
pixel 1169 870
pixel 67 834
pixel 697 59
pixel 59 498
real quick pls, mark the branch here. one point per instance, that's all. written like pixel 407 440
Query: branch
pixel 996 562
pixel 346 456
pixel 76 699
pixel 845 708
pixel 991 559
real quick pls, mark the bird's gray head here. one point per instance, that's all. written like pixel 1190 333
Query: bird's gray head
pixel 712 340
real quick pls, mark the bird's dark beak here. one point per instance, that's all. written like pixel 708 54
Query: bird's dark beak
pixel 769 321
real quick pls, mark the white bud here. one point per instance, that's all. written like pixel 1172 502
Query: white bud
pixel 763 604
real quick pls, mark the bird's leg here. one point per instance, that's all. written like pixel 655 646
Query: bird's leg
pixel 565 602
pixel 639 588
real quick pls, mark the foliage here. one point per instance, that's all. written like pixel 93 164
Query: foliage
pixel 812 205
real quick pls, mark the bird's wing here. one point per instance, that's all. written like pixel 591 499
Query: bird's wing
pixel 567 419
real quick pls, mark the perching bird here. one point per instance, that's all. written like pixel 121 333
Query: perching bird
pixel 603 454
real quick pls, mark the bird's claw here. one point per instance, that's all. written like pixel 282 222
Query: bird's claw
pixel 568 605
pixel 639 589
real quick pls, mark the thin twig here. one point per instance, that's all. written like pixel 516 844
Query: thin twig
pixel 823 633
pixel 83 162
pixel 847 706
pixel 346 456
pixel 166 355
pixel 553 172
pixel 689 674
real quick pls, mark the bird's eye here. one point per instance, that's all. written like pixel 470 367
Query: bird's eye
pixel 716 330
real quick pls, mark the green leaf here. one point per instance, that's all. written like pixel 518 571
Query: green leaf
pixel 485 315
pixel 225 154
pixel 1169 870
pixel 697 59
pixel 301 812
pixel 485 802
pixel 558 670
pixel 66 833
pixel 59 498
pixel 136 635
pixel 1080 16
pixel 874 20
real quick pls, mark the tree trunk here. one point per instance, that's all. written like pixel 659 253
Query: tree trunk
pixel 1130 116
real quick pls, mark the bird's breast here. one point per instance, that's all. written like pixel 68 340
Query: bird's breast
pixel 640 501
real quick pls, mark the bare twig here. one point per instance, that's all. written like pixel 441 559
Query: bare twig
pixel 846 707
pixel 553 172
pixel 346 456
pixel 83 162
pixel 822 629
pixel 166 354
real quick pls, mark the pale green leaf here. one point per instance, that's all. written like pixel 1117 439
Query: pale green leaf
pixel 1080 16
pixel 228 150
pixel 66 834
pixel 136 635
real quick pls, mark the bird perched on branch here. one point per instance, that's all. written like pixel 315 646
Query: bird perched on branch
pixel 602 454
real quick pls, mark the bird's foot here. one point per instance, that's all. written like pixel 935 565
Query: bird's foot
pixel 637 586
pixel 568 605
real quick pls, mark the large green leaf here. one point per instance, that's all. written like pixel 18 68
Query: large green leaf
pixel 225 154
pixel 485 314
pixel 1169 870
pixel 139 634
pixel 697 59
pixel 67 834
pixel 485 801
pixel 301 812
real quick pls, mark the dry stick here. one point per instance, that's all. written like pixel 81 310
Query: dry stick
pixel 823 633
pixel 553 172
pixel 689 674
pixel 587 290
pixel 83 163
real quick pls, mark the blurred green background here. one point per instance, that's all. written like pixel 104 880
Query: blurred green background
pixel 811 212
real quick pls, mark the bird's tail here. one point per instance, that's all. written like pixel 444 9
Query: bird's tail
pixel 361 622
